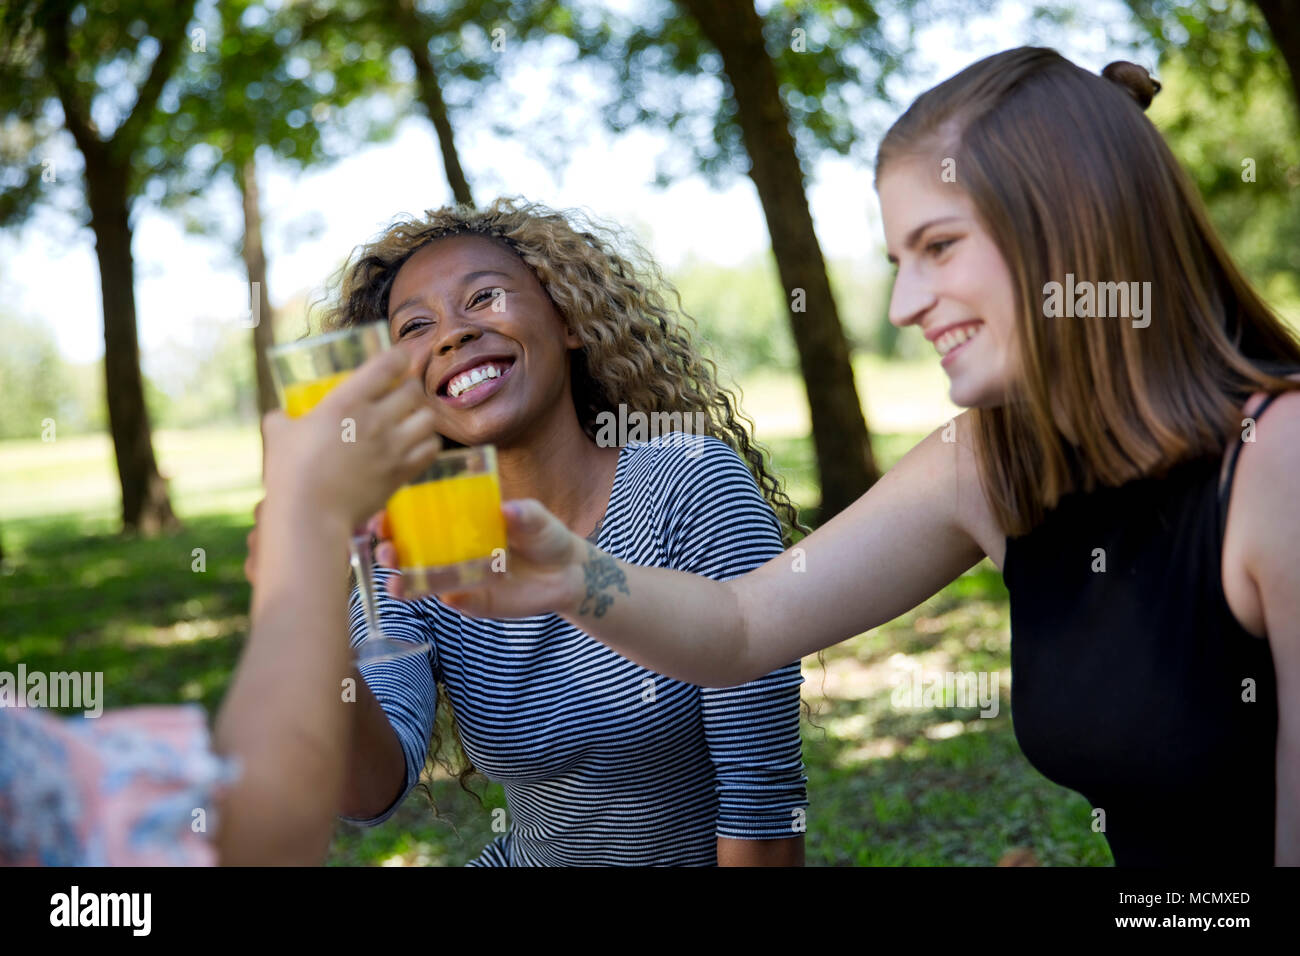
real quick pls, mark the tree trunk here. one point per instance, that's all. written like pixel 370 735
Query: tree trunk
pixel 146 507
pixel 417 42
pixel 1284 23
pixel 255 263
pixel 845 462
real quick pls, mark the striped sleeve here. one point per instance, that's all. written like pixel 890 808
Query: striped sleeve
pixel 718 524
pixel 407 688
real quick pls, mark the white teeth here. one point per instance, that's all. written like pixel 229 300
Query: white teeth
pixel 950 340
pixel 467 380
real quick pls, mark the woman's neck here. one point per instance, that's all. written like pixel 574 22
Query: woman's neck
pixel 560 466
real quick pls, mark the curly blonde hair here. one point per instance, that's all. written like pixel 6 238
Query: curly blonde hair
pixel 637 349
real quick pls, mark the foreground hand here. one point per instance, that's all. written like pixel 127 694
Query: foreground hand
pixel 544 568
pixel 364 440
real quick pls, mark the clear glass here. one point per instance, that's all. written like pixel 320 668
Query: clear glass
pixel 447 526
pixel 304 372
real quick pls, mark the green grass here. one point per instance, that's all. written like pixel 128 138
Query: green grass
pixel 78 598
pixel 887 785
pixel 892 785
pixel 210 471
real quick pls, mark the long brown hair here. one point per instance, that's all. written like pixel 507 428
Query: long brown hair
pixel 1069 176
pixel 637 344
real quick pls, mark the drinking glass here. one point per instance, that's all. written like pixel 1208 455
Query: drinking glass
pixel 446 525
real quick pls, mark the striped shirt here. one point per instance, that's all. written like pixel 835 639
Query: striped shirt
pixel 602 761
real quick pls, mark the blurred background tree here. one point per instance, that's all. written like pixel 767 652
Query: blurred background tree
pixel 429 37
pixel 301 83
pixel 38 383
pixel 1229 111
pixel 1266 32
pixel 97 73
pixel 761 95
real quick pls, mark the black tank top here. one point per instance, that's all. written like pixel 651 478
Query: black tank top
pixel 1132 685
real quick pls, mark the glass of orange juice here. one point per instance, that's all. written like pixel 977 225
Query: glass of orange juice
pixel 305 372
pixel 446 525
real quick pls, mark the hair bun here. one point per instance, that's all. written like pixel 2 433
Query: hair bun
pixel 1134 79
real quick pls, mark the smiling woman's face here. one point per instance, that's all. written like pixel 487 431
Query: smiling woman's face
pixel 492 348
pixel 952 281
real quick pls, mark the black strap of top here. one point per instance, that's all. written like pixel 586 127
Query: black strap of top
pixel 1225 492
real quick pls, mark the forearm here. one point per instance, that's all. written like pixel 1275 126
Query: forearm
pixel 893 548
pixel 840 581
pixel 376 766
pixel 680 625
pixel 284 718
pixel 786 852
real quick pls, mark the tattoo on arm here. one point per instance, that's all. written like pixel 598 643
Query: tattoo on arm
pixel 601 572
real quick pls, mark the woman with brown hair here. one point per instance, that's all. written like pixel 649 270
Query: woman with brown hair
pixel 1116 464
pixel 530 330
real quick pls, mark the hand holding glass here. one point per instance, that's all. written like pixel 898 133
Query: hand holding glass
pixel 305 372
pixel 446 524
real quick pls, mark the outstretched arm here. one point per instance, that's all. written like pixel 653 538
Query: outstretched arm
pixel 897 545
pixel 284 718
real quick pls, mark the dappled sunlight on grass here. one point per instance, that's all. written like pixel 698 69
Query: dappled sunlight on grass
pixel 905 783
pixel 414 836
pixel 94 575
pixel 209 469
pixel 185 632
pixel 77 598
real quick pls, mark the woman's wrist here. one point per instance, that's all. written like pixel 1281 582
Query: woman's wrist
pixel 294 524
pixel 574 576
pixel 593 581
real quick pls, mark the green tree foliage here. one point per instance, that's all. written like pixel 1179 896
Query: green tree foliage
pixel 39 384
pixel 204 379
pixel 32 378
pixel 834 60
pixel 1228 111
pixel 285 78
pixel 1244 154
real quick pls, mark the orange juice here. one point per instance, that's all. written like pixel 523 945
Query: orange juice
pixel 447 522
pixel 302 397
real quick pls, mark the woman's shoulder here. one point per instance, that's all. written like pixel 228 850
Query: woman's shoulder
pixel 1262 524
pixel 1282 431
pixel 696 492
pixel 685 445
pixel 674 459
pixel 1269 449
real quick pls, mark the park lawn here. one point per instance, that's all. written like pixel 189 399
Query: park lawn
pixel 164 619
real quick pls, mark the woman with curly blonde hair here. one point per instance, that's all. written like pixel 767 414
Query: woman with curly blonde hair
pixel 528 327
